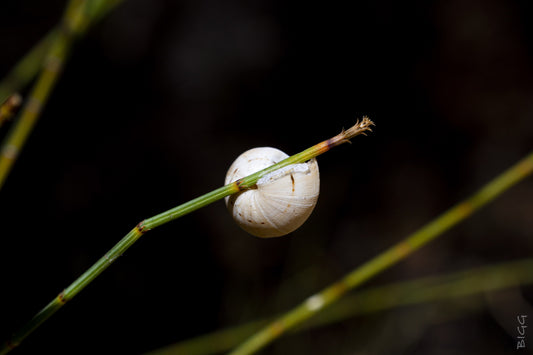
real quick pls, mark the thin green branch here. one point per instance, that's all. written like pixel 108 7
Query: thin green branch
pixel 53 65
pixel 27 68
pixel 388 258
pixel 423 290
pixel 428 289
pixel 51 53
pixel 165 217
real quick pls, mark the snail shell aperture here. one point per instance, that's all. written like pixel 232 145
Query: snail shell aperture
pixel 281 200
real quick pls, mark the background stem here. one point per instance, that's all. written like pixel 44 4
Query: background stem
pixel 423 290
pixel 52 67
pixel 28 66
pixel 51 53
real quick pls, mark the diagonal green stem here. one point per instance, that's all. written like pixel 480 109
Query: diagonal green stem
pixel 165 217
pixel 423 290
pixel 53 65
pixel 52 53
pixel 388 258
pixel 27 68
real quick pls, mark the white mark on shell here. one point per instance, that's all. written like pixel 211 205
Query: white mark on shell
pixel 287 170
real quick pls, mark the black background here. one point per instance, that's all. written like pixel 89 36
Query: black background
pixel 161 96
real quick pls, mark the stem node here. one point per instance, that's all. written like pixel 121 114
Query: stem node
pixel 141 227
pixel 61 297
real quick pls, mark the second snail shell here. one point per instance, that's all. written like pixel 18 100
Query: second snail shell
pixel 282 200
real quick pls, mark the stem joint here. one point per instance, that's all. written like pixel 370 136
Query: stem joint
pixel 141 227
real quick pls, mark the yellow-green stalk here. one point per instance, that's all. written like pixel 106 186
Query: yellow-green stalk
pixel 52 67
pixel 438 288
pixel 49 56
pixel 29 65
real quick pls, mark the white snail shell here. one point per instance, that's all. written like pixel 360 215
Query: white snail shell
pixel 283 199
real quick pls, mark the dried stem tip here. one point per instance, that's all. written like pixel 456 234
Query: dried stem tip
pixel 360 127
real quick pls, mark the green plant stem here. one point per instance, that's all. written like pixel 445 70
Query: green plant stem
pixel 53 65
pixel 423 290
pixel 388 258
pixel 52 53
pixel 165 217
pixel 27 68
pixel 428 289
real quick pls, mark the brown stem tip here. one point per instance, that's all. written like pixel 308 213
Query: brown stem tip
pixel 360 127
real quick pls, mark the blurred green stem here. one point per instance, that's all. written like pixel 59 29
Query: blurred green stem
pixel 52 67
pixel 427 289
pixel 388 258
pixel 51 53
pixel 27 68
pixel 170 215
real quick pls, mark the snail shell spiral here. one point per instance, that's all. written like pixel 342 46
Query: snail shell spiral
pixel 282 200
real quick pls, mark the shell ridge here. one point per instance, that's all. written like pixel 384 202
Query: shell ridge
pixel 293 200
pixel 265 215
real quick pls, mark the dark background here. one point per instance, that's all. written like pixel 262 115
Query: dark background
pixel 160 97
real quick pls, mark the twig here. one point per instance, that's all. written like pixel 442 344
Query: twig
pixel 165 217
pixel 388 258
pixel 58 42
pixel 53 65
pixel 27 68
pixel 423 290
